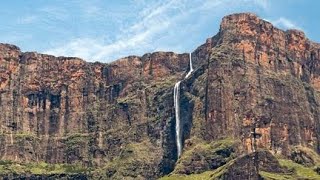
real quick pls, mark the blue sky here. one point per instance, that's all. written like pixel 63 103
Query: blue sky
pixel 105 30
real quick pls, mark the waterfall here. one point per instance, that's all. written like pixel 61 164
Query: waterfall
pixel 190 64
pixel 176 98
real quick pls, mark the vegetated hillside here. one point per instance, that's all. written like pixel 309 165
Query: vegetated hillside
pixel 66 118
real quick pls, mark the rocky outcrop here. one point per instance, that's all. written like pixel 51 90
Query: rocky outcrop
pixel 248 166
pixel 118 118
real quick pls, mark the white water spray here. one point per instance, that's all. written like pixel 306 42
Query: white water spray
pixel 176 98
pixel 191 68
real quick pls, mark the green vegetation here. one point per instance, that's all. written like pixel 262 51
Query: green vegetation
pixel 74 143
pixel 74 140
pixel 275 176
pixel 5 162
pixel 296 171
pixel 299 170
pixel 43 168
pixel 205 154
pixel 161 84
pixel 215 174
pixel 203 176
pixel 303 170
pixel 152 87
pixel 132 160
pixel 218 173
pixel 26 136
pixel 307 153
pixel 290 169
pixel 21 136
pixel 9 167
pixel 130 99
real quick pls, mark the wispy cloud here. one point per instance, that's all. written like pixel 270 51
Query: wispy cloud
pixel 151 21
pixel 27 19
pixel 83 48
pixel 285 23
pixel 155 27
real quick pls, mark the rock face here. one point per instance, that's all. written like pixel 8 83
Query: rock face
pixel 258 74
pixel 119 117
pixel 64 110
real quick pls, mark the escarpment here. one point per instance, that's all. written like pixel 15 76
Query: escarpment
pixel 65 110
pixel 63 115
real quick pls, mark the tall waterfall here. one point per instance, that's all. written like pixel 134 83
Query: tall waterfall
pixel 176 98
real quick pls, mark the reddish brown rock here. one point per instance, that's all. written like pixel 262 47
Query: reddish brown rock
pixel 65 110
pixel 258 73
pixel 120 116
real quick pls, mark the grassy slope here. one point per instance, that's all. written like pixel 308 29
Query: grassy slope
pixel 296 171
pixel 8 167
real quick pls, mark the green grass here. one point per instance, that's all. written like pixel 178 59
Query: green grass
pixel 300 170
pixel 214 174
pixel 130 99
pixel 297 171
pixel 74 140
pixel 5 162
pixel 294 170
pixel 129 162
pixel 275 176
pixel 40 168
pixel 203 176
pixel 25 136
pixel 203 151
pixel 309 152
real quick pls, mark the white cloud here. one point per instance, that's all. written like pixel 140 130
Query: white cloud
pixel 27 19
pixel 158 21
pixel 151 21
pixel 285 23
pixel 83 48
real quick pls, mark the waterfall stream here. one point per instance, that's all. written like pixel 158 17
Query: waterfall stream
pixel 176 95
pixel 176 98
pixel 191 68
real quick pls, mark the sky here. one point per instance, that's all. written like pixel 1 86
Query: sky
pixel 106 30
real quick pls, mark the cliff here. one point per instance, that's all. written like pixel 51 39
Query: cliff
pixel 62 115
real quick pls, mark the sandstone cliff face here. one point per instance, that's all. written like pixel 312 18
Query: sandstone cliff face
pixel 64 110
pixel 120 116
pixel 259 74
